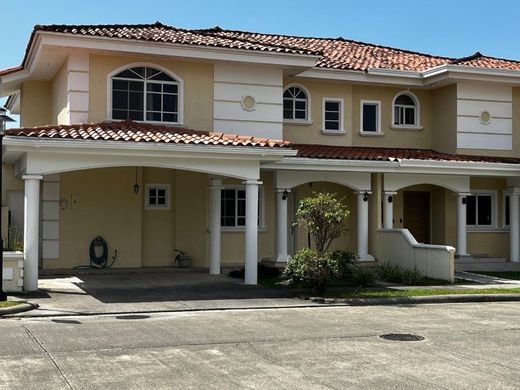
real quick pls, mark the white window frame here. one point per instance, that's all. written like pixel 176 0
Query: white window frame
pixel 376 103
pixel 341 129
pixel 494 211
pixel 148 206
pixel 307 119
pixel 417 125
pixel 180 94
pixel 261 209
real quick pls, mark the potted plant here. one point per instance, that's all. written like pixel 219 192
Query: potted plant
pixel 182 258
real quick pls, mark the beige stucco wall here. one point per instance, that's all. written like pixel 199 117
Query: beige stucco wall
pixel 59 96
pixel 311 133
pixel 35 103
pixel 392 137
pixel 197 78
pixel 9 182
pixel 106 206
pixel 444 119
pixel 516 122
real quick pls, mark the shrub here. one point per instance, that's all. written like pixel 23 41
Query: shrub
pixel 363 276
pixel 346 263
pixel 310 268
pixel 324 217
pixel 395 274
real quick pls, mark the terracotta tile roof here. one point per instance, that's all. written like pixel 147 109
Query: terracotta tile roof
pixel 390 154
pixel 129 131
pixel 335 53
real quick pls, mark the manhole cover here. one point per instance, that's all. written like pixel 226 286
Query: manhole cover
pixel 401 337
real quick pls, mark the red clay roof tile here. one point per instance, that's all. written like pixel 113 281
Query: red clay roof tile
pixel 129 131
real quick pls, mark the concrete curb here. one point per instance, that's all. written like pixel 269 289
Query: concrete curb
pixel 452 298
pixel 18 308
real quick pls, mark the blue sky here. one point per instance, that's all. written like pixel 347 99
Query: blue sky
pixel 453 28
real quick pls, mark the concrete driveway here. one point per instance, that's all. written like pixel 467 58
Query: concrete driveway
pixel 151 290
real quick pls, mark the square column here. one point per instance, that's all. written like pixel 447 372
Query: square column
pixel 31 247
pixel 251 236
pixel 281 254
pixel 215 195
pixel 362 226
pixel 461 225
pixel 388 209
pixel 514 226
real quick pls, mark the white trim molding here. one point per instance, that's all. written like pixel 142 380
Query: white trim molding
pixel 417 110
pixel 376 103
pixel 308 111
pixel 341 118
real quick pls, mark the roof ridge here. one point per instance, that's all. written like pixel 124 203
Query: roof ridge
pixel 340 39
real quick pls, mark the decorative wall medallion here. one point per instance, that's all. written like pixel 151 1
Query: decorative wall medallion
pixel 484 117
pixel 248 103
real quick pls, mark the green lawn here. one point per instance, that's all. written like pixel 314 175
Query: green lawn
pixel 9 304
pixel 515 275
pixel 417 292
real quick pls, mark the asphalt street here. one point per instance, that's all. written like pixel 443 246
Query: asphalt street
pixel 466 346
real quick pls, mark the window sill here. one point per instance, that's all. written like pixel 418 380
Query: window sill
pixel 333 132
pixel 405 128
pixel 296 122
pixel 487 230
pixel 371 133
pixel 241 229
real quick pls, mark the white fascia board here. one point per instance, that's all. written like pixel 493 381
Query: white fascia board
pixel 17 144
pixel 165 49
pixel 398 166
pixel 361 77
pixel 393 72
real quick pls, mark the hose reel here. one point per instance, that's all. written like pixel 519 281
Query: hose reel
pixel 98 253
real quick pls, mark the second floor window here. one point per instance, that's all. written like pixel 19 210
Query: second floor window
pixel 145 94
pixel 405 111
pixel 295 104
pixel 333 115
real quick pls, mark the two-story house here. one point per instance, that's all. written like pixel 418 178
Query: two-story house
pixel 158 138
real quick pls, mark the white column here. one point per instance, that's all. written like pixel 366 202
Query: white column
pixel 388 210
pixel 280 254
pixel 215 191
pixel 251 236
pixel 362 226
pixel 514 226
pixel 461 225
pixel 31 236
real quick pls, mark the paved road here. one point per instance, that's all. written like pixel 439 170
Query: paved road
pixel 466 346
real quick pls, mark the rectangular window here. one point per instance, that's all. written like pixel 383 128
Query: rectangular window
pixel 157 196
pixel 480 210
pixel 333 115
pixel 233 207
pixel 370 119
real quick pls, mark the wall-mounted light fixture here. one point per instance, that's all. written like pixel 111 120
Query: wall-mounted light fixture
pixel 390 198
pixel 136 186
pixel 365 196
pixel 285 194
pixel 464 200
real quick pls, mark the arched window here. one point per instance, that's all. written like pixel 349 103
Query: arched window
pixel 144 93
pixel 295 104
pixel 406 110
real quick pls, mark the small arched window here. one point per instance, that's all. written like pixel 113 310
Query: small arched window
pixel 295 104
pixel 405 110
pixel 145 94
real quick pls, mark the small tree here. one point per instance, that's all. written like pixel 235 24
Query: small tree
pixel 324 217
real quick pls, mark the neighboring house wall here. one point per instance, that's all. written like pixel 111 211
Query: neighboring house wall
pixel 197 79
pixel 35 103
pixel 516 122
pixel 444 119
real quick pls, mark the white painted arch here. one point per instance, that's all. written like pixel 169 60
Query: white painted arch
pixel 358 181
pixel 44 163
pixel 394 182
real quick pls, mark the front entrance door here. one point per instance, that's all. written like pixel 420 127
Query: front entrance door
pixel 416 214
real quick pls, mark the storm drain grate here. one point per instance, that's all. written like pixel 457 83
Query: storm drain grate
pixel 401 337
